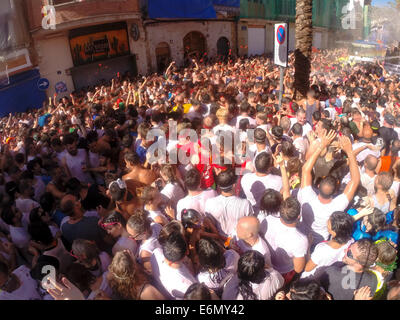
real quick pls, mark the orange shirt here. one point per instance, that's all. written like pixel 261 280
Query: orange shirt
pixel 386 161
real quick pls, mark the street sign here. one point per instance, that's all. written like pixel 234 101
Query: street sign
pixel 60 87
pixel 43 84
pixel 281 44
pixel 281 35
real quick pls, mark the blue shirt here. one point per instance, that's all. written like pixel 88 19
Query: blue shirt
pixel 43 119
pixel 359 231
pixel 57 217
pixel 338 103
pixel 141 152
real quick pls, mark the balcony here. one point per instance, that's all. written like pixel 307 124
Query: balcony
pixel 76 13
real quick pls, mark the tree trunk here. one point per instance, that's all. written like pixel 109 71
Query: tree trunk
pixel 303 52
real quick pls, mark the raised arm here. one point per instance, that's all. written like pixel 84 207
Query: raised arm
pixel 285 179
pixel 351 188
pixel 326 140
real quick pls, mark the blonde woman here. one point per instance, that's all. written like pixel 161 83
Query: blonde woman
pixel 128 280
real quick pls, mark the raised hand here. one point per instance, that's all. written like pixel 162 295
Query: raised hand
pixel 65 290
pixel 327 138
pixel 345 144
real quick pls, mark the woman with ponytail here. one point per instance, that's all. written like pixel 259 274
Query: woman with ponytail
pixel 253 280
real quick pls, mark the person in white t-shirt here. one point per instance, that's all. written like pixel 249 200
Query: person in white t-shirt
pixel 302 119
pixel 340 227
pixel 88 254
pixel 172 191
pixel 115 225
pixel 244 114
pixel 168 268
pixel 288 245
pixel 141 229
pixel 369 174
pixel 260 144
pixel 217 264
pixel 317 208
pixel 299 141
pixel 17 285
pixel 247 231
pixel 227 209
pixel 128 280
pixel 254 280
pixel 196 198
pixel 75 160
pixel 254 184
pixel 223 115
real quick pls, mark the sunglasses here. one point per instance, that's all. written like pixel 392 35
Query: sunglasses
pixel 72 255
pixel 349 255
pixel 136 236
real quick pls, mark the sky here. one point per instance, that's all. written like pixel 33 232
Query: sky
pixel 380 3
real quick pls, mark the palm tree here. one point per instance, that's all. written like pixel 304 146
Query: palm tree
pixel 303 51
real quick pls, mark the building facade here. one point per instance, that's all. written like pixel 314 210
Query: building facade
pixel 257 19
pixel 89 41
pixel 19 75
pixel 179 29
pixel 92 40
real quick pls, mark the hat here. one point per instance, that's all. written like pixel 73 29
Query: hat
pixel 389 119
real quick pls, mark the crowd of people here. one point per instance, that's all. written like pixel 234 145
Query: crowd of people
pixel 297 202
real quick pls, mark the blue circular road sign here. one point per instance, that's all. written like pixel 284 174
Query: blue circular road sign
pixel 281 34
pixel 43 84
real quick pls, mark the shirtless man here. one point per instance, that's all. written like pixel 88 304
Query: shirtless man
pixel 136 171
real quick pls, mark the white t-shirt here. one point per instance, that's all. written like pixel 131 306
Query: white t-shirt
pixel 227 211
pixel 223 127
pixel 217 280
pixel 316 214
pixel 264 291
pixel 151 243
pixel 75 164
pixel 173 192
pixel 174 281
pixel 395 187
pixel 324 256
pixel 236 121
pixel 254 186
pixel 363 154
pixel 285 243
pixel 253 151
pixel 196 202
pixel 125 243
pixel 368 183
pixel 20 237
pixel 104 286
pixel 306 127
pixel 60 156
pixel 26 205
pixel 260 246
pixel 105 260
pixel 301 146
pixel 26 291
